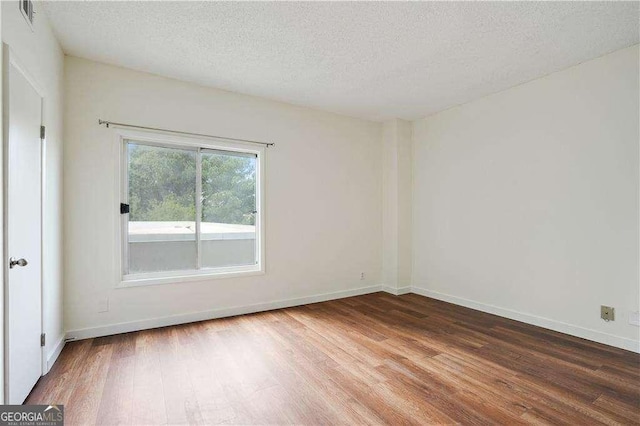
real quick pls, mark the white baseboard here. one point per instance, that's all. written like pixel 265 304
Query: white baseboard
pixel 574 330
pixel 397 291
pixel 593 335
pixel 107 330
pixel 54 353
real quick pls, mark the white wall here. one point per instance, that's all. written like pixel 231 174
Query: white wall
pixel 168 255
pixel 38 51
pixel 323 197
pixel 396 209
pixel 523 203
pixel 526 201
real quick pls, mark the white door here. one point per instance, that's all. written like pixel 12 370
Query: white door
pixel 23 299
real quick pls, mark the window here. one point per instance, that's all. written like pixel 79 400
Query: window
pixel 192 210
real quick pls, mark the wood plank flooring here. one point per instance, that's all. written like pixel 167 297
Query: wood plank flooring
pixel 374 359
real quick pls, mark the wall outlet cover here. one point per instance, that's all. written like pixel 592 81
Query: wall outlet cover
pixel 103 305
pixel 634 318
pixel 607 313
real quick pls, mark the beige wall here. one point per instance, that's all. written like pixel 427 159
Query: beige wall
pixel 526 201
pixel 323 196
pixel 523 203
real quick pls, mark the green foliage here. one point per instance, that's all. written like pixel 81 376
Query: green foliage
pixel 162 186
pixel 171 208
pixel 228 189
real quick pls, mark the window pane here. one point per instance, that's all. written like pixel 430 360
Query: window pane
pixel 162 191
pixel 228 232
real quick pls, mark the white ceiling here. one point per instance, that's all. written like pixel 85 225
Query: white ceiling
pixel 372 60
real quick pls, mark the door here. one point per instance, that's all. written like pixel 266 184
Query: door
pixel 23 297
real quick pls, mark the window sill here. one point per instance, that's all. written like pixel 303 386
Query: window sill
pixel 139 280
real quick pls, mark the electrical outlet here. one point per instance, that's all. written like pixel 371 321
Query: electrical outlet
pixel 103 305
pixel 362 275
pixel 634 318
pixel 607 313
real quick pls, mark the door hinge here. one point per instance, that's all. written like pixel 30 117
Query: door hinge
pixel 42 132
pixel 43 339
pixel 124 208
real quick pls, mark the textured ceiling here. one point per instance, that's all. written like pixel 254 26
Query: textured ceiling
pixel 374 60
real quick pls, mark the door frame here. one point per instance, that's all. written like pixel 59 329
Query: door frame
pixel 9 59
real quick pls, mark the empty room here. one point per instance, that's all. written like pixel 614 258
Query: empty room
pixel 279 213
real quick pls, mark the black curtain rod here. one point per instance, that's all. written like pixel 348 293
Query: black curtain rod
pixel 178 132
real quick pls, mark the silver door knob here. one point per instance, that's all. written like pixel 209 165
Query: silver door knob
pixel 17 262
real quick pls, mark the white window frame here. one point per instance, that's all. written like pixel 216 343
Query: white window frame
pixel 195 143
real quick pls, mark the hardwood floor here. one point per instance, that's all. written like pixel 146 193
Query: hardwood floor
pixel 374 359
